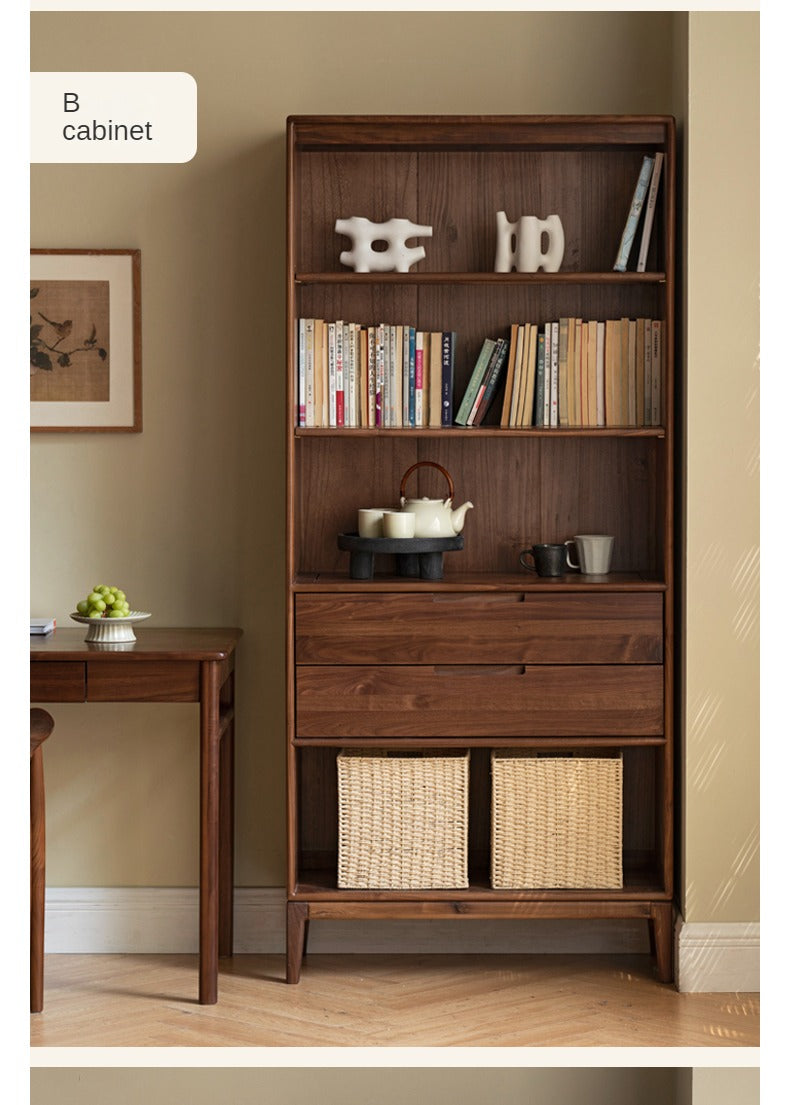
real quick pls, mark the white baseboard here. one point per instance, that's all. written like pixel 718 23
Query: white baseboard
pixel 165 920
pixel 718 958
pixel 712 958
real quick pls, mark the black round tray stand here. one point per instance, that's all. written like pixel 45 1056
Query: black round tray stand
pixel 415 557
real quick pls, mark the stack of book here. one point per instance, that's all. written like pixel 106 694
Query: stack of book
pixel 387 376
pixel 39 627
pixel 577 373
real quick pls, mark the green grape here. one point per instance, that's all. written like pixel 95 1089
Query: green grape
pixel 94 614
pixel 82 607
pixel 94 596
pixel 115 614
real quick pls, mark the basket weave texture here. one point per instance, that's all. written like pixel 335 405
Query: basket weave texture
pixel 403 820
pixel 556 821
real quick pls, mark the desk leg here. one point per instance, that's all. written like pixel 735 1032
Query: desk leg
pixel 209 831
pixel 226 796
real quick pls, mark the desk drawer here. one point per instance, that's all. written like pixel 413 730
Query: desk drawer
pixel 144 681
pixel 57 681
pixel 466 628
pixel 480 701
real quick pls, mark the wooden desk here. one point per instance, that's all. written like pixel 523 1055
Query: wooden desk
pixel 166 665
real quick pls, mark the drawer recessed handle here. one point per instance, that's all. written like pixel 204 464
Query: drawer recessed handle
pixel 478 597
pixel 480 669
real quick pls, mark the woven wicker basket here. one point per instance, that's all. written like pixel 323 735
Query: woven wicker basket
pixel 403 820
pixel 556 821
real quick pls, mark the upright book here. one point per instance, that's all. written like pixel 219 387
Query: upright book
pixel 650 210
pixel 632 220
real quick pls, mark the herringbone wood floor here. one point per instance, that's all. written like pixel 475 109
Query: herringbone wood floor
pixel 375 1001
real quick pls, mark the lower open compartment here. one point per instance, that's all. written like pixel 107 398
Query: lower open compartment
pixel 323 806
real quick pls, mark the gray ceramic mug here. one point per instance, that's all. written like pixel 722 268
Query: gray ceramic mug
pixel 549 560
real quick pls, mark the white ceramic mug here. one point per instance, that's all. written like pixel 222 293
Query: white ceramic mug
pixel 398 523
pixel 594 551
pixel 369 521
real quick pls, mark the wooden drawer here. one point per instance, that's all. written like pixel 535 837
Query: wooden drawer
pixel 144 681
pixel 57 681
pixel 479 701
pixel 497 628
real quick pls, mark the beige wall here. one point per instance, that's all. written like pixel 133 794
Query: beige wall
pixel 721 702
pixel 353 1086
pixel 200 493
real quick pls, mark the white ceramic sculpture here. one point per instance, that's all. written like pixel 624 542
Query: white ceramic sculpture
pixel 518 244
pixel 397 257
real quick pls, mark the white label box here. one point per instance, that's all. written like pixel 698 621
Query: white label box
pixel 79 118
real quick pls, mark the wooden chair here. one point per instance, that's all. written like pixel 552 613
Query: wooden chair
pixel 41 725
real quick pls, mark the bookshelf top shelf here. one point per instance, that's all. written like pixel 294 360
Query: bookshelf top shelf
pixel 486 132
pixel 415 279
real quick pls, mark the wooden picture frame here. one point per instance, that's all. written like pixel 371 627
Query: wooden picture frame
pixel 85 341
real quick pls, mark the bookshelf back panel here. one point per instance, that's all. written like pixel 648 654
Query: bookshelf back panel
pixel 458 194
pixel 523 490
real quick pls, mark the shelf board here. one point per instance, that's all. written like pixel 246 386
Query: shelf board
pixel 415 279
pixel 479 581
pixel 482 431
pixel 639 884
pixel 402 744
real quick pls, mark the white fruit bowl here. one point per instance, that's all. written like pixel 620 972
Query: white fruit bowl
pixel 110 631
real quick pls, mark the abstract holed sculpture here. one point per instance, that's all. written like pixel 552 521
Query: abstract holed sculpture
pixel 397 257
pixel 518 243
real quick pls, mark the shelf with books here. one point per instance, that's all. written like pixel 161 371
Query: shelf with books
pixel 368 663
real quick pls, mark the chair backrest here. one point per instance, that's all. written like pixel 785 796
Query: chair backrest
pixel 41 725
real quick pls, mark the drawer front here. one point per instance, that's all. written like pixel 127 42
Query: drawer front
pixel 479 701
pixel 496 628
pixel 144 681
pixel 57 681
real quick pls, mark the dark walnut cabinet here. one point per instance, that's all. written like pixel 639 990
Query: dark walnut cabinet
pixel 490 656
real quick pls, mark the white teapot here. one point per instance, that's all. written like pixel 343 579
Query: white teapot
pixel 433 517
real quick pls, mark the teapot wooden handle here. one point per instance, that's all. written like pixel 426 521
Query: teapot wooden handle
pixel 427 464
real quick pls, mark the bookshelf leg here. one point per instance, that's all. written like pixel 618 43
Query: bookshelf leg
pixel 661 933
pixel 296 939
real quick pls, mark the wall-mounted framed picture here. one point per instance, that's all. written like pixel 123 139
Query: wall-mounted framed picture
pixel 85 341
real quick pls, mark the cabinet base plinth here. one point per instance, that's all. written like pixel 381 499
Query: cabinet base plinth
pixel 658 914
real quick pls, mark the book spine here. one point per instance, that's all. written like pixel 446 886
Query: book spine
pixel 540 379
pixel 331 341
pixel 351 396
pixel 600 378
pixel 650 210
pixel 565 399
pixel 385 375
pixel 397 376
pixel 448 371
pixel 473 386
pixel 371 392
pixel 518 338
pixel 406 382
pixel 555 374
pixel 647 398
pixel 478 399
pixel 413 376
pixel 379 375
pixel 300 372
pixel 419 372
pixel 340 344
pixel 309 372
pixel 632 221
pixel 531 342
pixel 657 390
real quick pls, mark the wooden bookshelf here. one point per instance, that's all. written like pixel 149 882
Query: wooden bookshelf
pixel 574 664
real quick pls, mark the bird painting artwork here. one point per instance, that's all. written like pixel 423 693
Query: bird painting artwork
pixel 69 340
